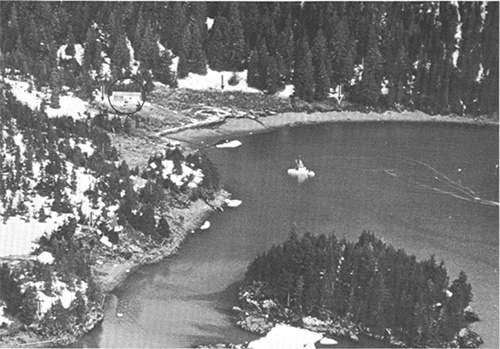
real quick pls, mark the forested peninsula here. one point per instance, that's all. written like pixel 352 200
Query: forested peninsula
pixel 349 289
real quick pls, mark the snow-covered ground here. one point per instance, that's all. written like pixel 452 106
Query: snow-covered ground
pixel 61 53
pixel 19 233
pixel 70 105
pixel 188 175
pixel 214 79
pixel 3 319
pixel 287 337
pixel 60 291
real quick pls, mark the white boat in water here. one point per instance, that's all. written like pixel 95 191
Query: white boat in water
pixel 301 172
pixel 228 144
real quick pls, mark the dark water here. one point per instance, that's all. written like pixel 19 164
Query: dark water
pixel 427 188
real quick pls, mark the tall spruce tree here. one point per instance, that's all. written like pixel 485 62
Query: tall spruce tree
pixel 120 59
pixel 321 67
pixel 303 74
pixel 341 48
pixel 370 82
pixel 236 42
pixel 489 44
pixel 217 53
pixel 92 51
pixel 192 58
pixel 149 51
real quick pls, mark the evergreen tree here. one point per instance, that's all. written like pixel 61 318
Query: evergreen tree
pixel 321 67
pixel 370 82
pixel 149 53
pixel 55 85
pixel 217 53
pixel 273 77
pixel 92 51
pixel 303 76
pixel 236 42
pixel 70 42
pixel 342 51
pixel 163 228
pixel 148 222
pixel 173 26
pixel 469 60
pixel 253 71
pixel 28 307
pixel 120 60
pixel 115 29
pixel 489 45
pixel 191 58
pixel 139 34
pixel 285 49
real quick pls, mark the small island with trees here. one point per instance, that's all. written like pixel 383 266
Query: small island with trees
pixel 349 289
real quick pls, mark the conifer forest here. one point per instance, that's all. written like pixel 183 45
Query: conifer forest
pixel 438 57
pixel 68 166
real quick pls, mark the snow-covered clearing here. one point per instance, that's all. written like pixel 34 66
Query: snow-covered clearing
pixel 213 80
pixel 17 237
pixel 70 105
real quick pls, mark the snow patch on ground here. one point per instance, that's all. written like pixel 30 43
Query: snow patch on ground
pixel 60 291
pixel 86 148
pixel 17 236
pixel 287 337
pixel 45 258
pixel 20 91
pixel 213 79
pixel 192 177
pixel 3 319
pixel 287 92
pixel 70 106
pixel 79 50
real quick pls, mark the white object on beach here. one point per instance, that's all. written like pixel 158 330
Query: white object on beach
pixel 231 144
pixel 233 203
pixel 205 225
pixel 328 341
pixel 119 314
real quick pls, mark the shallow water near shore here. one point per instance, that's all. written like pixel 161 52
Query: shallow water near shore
pixel 426 188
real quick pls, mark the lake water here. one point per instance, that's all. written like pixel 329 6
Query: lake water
pixel 427 188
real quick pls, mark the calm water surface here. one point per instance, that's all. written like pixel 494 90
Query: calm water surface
pixel 427 188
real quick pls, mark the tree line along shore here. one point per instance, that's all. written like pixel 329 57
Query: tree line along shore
pixel 438 57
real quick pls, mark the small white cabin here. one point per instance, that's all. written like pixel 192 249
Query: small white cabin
pixel 126 98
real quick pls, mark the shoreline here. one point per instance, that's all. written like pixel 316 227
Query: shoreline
pixel 195 134
pixel 114 273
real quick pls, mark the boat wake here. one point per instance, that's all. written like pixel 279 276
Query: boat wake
pixel 444 185
pixel 422 176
